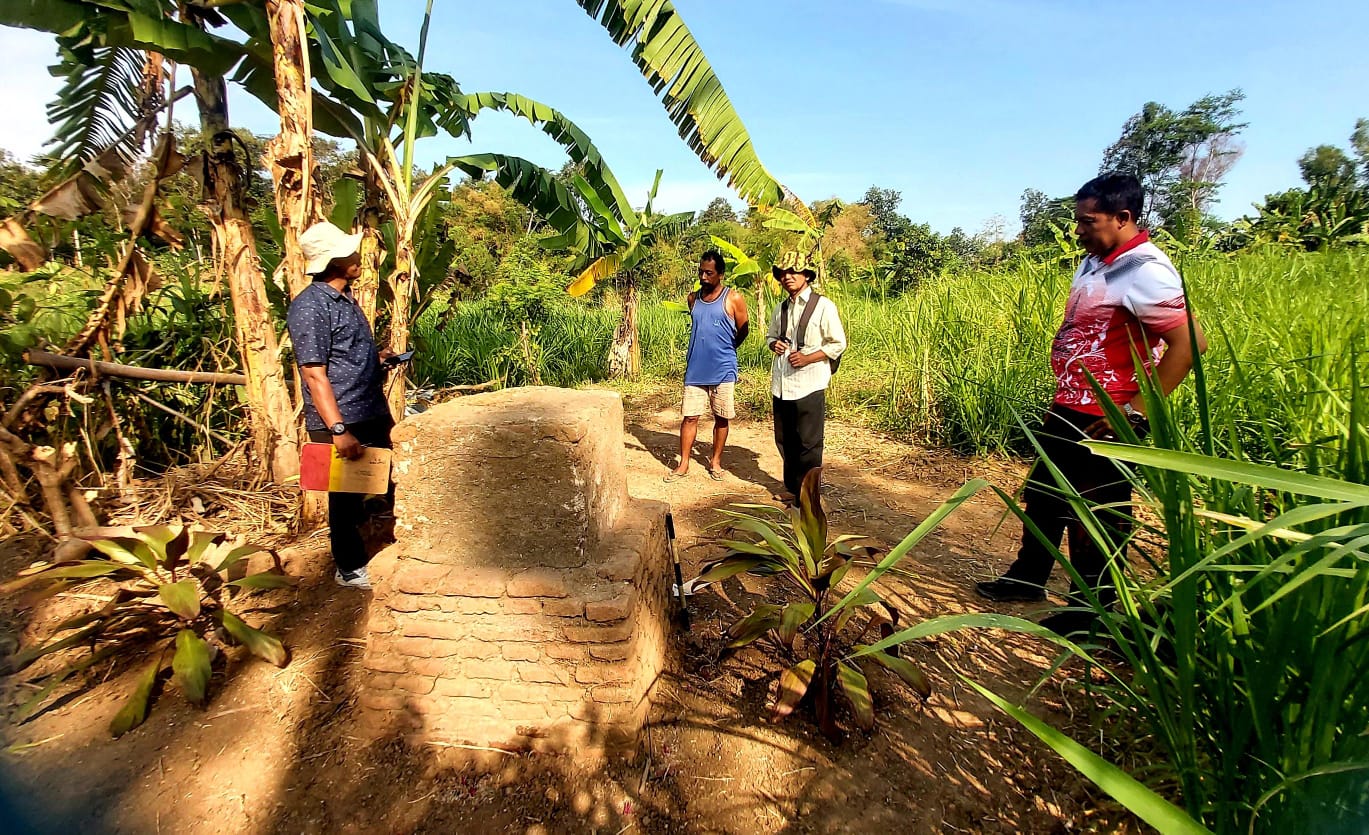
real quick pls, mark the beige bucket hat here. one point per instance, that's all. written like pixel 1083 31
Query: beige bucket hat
pixel 323 242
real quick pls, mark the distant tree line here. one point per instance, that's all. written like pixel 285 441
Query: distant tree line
pixel 1182 158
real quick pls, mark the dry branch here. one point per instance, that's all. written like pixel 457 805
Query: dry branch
pixel 488 385
pixel 167 162
pixel 132 372
pixel 219 436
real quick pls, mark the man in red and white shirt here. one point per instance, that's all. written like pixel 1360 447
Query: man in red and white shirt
pixel 1126 302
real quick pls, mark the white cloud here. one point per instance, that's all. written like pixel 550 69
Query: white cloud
pixel 28 89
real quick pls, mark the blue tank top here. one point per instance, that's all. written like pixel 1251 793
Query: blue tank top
pixel 712 359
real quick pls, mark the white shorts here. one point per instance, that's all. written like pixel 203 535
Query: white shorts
pixel 717 399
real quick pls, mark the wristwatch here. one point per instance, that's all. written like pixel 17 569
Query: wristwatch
pixel 1133 416
pixel 338 429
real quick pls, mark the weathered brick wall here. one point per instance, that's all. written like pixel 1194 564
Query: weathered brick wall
pixel 525 601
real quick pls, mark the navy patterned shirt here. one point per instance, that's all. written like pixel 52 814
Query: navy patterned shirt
pixel 329 329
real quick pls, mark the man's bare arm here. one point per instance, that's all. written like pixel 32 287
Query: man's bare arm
pixel 1177 361
pixel 741 317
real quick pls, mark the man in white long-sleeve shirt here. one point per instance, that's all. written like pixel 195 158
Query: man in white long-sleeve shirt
pixel 807 339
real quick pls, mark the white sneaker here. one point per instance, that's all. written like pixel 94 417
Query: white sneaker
pixel 358 579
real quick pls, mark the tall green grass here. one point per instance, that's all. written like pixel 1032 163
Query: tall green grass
pixel 1239 645
pixel 957 362
pixel 1243 630
pixel 473 343
pixel 954 363
pixel 1248 649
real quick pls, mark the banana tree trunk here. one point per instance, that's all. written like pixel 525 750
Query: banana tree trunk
pixel 367 285
pixel 625 354
pixel 401 283
pixel 531 361
pixel 760 304
pixel 274 434
pixel 291 152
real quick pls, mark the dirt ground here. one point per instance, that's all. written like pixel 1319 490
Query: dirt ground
pixel 273 751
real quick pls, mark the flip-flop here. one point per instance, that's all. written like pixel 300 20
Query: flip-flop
pixel 717 475
pixel 674 476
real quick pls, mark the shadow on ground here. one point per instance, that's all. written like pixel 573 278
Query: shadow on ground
pixel 742 462
pixel 275 750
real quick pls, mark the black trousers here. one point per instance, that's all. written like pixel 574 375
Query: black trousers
pixel 347 512
pixel 798 434
pixel 1098 480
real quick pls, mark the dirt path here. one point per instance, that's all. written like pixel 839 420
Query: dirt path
pixel 272 753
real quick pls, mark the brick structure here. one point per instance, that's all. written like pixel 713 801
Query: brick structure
pixel 525 601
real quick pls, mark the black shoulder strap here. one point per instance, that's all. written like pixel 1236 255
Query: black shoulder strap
pixel 806 318
pixel 784 319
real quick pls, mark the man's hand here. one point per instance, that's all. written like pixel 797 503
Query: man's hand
pixel 1100 430
pixel 386 354
pixel 798 359
pixel 779 346
pixel 347 446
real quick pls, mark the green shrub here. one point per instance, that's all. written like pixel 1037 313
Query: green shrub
pixel 173 588
pixel 794 548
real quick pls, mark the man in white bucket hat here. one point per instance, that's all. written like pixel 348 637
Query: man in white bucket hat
pixel 343 374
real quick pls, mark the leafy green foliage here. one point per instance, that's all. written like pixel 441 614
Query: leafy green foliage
pixel 640 231
pixel 41 307
pixel 471 342
pixel 1238 631
pixel 525 289
pixel 1331 212
pixel 793 547
pixel 671 61
pixel 909 253
pixel 1042 216
pixel 20 184
pixel 171 586
pixel 590 164
pixel 1179 156
pixel 105 90
pixel 1260 603
pixel 185 324
pixel 717 211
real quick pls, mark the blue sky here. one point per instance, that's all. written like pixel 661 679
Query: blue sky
pixel 958 105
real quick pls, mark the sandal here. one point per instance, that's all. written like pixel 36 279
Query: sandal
pixel 672 477
pixel 717 475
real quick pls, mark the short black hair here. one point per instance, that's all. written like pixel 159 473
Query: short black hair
pixel 1115 192
pixel 719 263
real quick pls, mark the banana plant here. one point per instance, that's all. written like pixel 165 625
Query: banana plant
pixel 811 631
pixel 399 103
pixel 669 58
pixel 748 272
pixel 631 239
pixel 173 587
pixel 371 88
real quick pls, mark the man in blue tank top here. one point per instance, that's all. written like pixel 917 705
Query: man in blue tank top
pixel 719 326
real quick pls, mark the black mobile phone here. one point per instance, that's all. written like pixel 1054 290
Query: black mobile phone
pixel 398 358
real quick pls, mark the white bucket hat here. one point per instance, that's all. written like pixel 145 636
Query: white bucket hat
pixel 323 242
